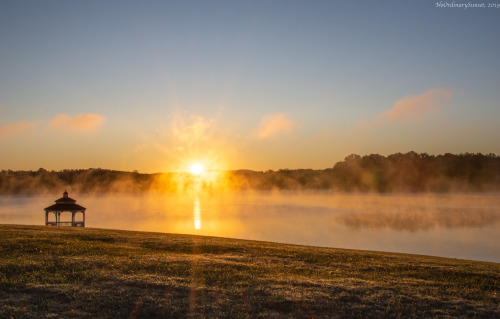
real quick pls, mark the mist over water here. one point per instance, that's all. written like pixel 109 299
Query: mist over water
pixel 450 225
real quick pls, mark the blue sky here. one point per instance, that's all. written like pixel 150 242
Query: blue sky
pixel 157 85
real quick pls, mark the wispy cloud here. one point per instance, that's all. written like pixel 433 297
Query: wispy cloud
pixel 192 131
pixel 275 124
pixel 15 128
pixel 183 133
pixel 80 123
pixel 413 107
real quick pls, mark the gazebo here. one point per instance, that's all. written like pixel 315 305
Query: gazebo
pixel 65 204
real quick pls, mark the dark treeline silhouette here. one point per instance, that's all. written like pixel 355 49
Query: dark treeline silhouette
pixel 410 172
pixel 90 180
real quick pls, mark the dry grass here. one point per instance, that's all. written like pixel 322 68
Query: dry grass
pixel 53 272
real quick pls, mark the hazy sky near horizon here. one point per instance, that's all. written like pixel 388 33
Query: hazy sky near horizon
pixel 158 85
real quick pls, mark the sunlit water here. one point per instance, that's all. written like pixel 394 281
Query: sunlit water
pixel 458 225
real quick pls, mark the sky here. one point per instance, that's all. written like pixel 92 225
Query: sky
pixel 156 86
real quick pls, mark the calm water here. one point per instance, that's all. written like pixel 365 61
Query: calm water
pixel 458 226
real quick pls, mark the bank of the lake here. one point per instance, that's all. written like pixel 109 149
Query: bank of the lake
pixel 82 273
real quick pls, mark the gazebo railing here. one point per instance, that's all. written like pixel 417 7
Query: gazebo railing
pixel 75 224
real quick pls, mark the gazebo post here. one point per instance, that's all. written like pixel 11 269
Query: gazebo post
pixel 83 212
pixel 73 218
pixel 46 218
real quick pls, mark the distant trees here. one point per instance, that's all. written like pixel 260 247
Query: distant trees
pixel 84 181
pixel 412 172
pixel 409 172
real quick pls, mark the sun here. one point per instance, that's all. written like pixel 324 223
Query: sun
pixel 197 169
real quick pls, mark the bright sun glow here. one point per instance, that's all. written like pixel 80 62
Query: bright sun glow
pixel 196 169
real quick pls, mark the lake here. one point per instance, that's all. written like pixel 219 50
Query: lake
pixel 465 226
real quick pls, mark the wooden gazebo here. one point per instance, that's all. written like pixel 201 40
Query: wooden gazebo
pixel 65 204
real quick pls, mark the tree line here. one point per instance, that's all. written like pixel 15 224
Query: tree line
pixel 408 172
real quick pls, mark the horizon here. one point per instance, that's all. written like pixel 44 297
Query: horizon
pixel 162 86
pixel 189 170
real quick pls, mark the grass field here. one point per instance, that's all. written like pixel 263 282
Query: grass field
pixel 62 272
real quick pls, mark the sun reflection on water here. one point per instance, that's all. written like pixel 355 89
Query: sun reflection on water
pixel 197 214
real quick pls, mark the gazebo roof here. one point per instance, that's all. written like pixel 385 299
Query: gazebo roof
pixel 65 203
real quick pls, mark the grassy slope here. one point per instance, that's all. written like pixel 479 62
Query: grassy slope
pixel 82 273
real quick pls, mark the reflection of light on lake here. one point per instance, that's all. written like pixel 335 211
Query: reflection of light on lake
pixel 197 214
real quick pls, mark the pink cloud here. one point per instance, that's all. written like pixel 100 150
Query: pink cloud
pixel 15 128
pixel 273 124
pixel 80 123
pixel 413 107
